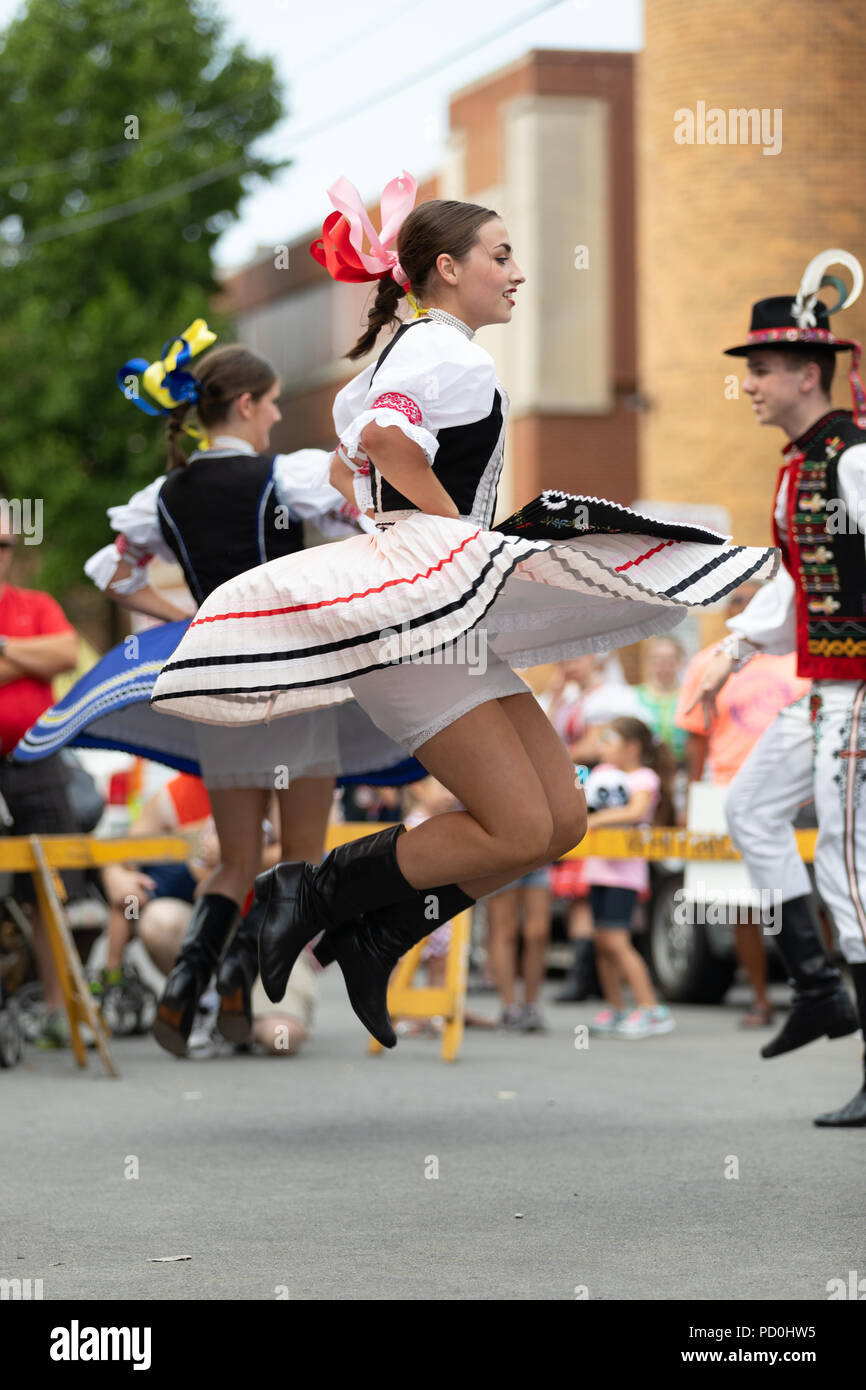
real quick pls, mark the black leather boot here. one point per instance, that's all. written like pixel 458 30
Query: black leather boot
pixel 209 929
pixel 852 1115
pixel 236 976
pixel 821 1004
pixel 300 900
pixel 367 950
pixel 581 981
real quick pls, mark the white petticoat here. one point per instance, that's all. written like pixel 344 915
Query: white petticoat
pixel 415 700
pixel 269 755
pixel 297 633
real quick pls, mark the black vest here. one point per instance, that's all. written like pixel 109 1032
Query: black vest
pixel 463 454
pixel 222 516
pixel 824 554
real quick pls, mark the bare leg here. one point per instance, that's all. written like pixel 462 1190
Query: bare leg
pixel 536 938
pixel 118 933
pixel 580 923
pixel 436 972
pixel 503 925
pixel 633 968
pixel 281 1034
pixel 238 813
pixel 503 755
pixel 161 930
pixel 46 969
pixel 609 965
pixel 753 958
pixel 305 808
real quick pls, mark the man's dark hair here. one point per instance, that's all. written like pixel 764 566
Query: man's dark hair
pixel 799 353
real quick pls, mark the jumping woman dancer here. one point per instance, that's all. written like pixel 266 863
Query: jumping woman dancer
pixel 389 617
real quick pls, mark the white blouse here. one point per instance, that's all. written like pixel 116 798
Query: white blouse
pixel 769 621
pixel 301 484
pixel 433 378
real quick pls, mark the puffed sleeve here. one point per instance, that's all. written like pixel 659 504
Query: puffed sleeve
pixel 768 621
pixel 433 378
pixel 302 485
pixel 139 539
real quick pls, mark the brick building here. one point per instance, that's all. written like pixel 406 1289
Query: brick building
pixel 722 225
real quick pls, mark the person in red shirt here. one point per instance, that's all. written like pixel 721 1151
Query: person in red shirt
pixel 37 643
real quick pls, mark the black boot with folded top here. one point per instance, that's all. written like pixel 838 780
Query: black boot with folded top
pixel 852 1115
pixel 210 927
pixel 368 911
pixel 820 1005
pixel 236 976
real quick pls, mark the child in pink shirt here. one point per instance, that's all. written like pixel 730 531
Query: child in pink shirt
pixel 625 789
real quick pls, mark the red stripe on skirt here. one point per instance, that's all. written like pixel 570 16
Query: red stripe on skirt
pixel 344 598
pixel 655 550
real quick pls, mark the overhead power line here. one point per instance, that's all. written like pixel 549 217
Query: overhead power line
pixel 88 221
pixel 375 98
pixel 104 216
pixel 81 160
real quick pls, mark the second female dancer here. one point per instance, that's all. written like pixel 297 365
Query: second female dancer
pixel 219 511
pixel 386 617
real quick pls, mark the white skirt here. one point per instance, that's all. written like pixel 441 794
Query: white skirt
pixel 307 631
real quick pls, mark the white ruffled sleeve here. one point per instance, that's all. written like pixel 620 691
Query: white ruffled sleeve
pixel 433 378
pixel 139 539
pixel 768 621
pixel 302 484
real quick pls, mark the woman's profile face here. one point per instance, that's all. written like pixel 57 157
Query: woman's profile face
pixel 486 280
pixel 261 416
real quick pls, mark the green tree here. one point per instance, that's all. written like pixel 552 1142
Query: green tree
pixel 127 133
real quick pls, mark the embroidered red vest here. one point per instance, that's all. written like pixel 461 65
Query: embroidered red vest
pixel 824 554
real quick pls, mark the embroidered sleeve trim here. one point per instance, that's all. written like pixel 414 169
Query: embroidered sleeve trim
pixel 391 400
pixel 134 553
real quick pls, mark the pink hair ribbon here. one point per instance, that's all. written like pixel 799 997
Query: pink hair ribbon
pixel 340 247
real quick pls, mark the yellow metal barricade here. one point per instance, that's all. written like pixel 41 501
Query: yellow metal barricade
pixel 43 856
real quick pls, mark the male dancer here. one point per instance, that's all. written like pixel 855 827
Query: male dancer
pixel 816 605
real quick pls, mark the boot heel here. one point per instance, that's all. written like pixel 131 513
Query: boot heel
pixel 172 1027
pixel 233 1021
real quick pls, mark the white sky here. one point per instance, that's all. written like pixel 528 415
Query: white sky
pixel 337 53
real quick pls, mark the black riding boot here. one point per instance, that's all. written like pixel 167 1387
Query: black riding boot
pixel 367 950
pixel 209 929
pixel 852 1115
pixel 300 900
pixel 236 976
pixel 821 1003
pixel 581 981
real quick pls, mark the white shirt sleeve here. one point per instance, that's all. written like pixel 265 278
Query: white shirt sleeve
pixel 852 486
pixel 139 540
pixel 769 620
pixel 433 378
pixel 302 485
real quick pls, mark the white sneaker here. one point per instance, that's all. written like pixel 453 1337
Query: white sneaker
pixel 645 1023
pixel 606 1022
pixel 205 1039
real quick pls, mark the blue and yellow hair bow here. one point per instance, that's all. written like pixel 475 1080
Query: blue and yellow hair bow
pixel 165 380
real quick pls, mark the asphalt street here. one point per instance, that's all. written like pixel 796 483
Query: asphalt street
pixel 682 1167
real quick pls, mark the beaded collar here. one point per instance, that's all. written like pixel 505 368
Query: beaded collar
pixel 441 316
